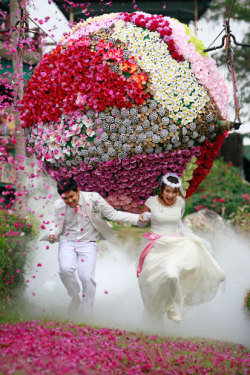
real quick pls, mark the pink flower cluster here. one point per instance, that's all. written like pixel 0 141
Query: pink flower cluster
pixel 247 198
pixel 57 348
pixel 156 23
pixel 89 29
pixel 127 182
pixel 204 68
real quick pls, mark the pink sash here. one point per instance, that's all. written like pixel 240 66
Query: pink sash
pixel 153 237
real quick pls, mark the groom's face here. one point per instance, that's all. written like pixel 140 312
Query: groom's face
pixel 71 198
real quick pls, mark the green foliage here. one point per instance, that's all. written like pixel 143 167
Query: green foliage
pixel 247 300
pixel 223 191
pixel 124 232
pixel 240 9
pixel 15 232
pixel 241 218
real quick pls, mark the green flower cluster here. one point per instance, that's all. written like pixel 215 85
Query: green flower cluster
pixel 188 173
pixel 199 46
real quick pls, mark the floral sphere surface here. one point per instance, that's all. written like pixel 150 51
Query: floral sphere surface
pixel 123 99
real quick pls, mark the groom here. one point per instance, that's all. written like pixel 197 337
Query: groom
pixel 78 224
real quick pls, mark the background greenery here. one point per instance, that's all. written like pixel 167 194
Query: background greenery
pixel 13 251
pixel 220 9
pixel 225 192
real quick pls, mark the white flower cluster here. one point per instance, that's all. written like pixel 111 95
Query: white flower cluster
pixel 174 84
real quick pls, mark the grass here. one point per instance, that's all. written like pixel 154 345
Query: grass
pixel 125 231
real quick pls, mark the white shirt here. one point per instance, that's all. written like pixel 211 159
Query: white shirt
pixel 77 226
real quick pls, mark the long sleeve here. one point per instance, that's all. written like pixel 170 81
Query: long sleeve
pixel 110 213
pixel 57 225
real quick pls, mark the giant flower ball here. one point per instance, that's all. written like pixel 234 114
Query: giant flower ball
pixel 123 99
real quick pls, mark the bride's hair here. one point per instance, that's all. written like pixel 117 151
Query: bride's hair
pixel 172 179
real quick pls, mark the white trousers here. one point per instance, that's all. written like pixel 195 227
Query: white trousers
pixel 72 256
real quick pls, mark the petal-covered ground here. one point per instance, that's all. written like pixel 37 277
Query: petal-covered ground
pixel 60 348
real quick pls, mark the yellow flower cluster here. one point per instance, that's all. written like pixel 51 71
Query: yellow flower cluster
pixel 173 83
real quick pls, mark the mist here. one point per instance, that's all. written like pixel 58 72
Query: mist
pixel 118 303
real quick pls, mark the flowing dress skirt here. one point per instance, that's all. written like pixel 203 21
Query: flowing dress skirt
pixel 178 272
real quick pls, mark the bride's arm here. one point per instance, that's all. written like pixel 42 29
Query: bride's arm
pixel 145 209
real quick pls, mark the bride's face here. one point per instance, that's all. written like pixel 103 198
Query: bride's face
pixel 169 194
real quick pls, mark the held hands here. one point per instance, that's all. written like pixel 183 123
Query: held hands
pixel 145 217
pixel 52 238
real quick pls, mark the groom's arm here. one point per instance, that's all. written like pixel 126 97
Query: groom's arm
pixel 112 214
pixel 57 224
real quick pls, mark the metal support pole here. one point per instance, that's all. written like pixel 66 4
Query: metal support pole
pixel 71 14
pixel 195 17
pixel 17 66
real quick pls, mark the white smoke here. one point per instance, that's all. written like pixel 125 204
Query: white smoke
pixel 118 302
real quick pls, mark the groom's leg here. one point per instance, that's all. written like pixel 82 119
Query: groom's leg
pixel 67 258
pixel 86 271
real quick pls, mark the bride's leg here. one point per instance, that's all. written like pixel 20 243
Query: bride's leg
pixel 174 299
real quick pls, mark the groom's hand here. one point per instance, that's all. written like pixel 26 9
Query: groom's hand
pixel 144 218
pixel 52 238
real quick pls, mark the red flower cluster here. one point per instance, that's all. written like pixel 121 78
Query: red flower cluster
pixel 66 72
pixel 209 152
pixel 155 23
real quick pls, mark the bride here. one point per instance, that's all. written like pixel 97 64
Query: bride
pixel 176 269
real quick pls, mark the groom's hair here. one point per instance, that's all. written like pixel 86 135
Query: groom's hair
pixel 66 184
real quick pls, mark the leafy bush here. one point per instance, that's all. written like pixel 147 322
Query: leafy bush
pixel 222 191
pixel 241 218
pixel 15 232
pixel 247 300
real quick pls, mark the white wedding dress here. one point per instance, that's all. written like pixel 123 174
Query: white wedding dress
pixel 178 271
